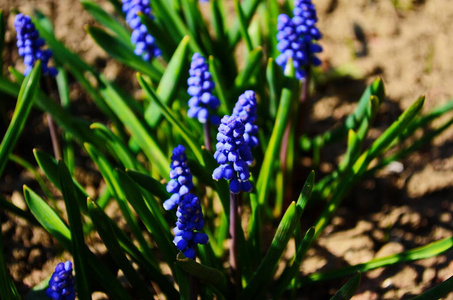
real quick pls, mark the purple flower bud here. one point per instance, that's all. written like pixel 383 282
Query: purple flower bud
pixel 301 46
pixel 61 284
pixel 145 44
pixel 203 104
pixel 29 44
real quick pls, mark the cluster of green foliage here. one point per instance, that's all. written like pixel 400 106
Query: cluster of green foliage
pixel 132 154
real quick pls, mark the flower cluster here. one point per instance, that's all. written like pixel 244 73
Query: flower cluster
pixel 233 153
pixel 181 179
pixel 296 37
pixel 190 216
pixel 145 45
pixel 30 44
pixel 61 284
pixel 245 109
pixel 203 103
pixel 190 222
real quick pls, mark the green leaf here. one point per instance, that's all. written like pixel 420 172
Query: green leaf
pixel 138 130
pixel 122 51
pixel 51 222
pixel 253 63
pixel 205 274
pixel 249 7
pixel 150 184
pixel 106 19
pixel 79 247
pixel 270 155
pixel 349 289
pixel 166 42
pixel 150 215
pixel 50 167
pixel 108 236
pixel 225 106
pixel 243 22
pixel 291 272
pixel 169 115
pixel 439 291
pixel 107 172
pixel 48 218
pixel 6 205
pixel 117 147
pixel 423 252
pixel 268 266
pixel 23 107
pixel 168 85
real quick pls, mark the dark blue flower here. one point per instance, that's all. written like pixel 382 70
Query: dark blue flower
pixel 232 154
pixel 188 226
pixel 245 109
pixel 145 45
pixel 30 44
pixel 181 178
pixel 61 284
pixel 296 37
pixel 203 104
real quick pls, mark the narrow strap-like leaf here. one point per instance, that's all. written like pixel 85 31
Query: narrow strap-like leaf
pixel 204 274
pixel 138 130
pixel 107 234
pixel 105 19
pixel 268 266
pixel 270 155
pixel 253 63
pixel 172 78
pixel 439 291
pixel 20 116
pixel 169 115
pixel 426 251
pixel 121 51
pixel 7 288
pixel 348 289
pixel 79 248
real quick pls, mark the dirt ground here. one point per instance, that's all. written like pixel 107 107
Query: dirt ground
pixel 405 42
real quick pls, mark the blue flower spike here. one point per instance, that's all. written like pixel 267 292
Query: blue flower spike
pixel 145 44
pixel 233 155
pixel 202 104
pixel 30 46
pixel 190 217
pixel 245 109
pixel 181 178
pixel 61 284
pixel 297 36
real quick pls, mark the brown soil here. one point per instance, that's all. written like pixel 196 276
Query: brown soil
pixel 407 43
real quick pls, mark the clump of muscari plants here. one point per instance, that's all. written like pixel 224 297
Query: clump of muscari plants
pixel 244 157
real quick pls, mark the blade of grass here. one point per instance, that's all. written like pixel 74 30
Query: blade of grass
pixel 171 79
pixel 349 289
pixel 108 236
pixel 422 252
pixel 285 230
pixel 168 114
pixel 79 247
pixel 122 51
pixel 20 116
pixel 439 291
pixel 138 130
pixel 270 155
pixel 106 19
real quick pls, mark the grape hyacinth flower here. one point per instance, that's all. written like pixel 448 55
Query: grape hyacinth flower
pixel 188 226
pixel 203 104
pixel 190 216
pixel 181 178
pixel 232 154
pixel 30 46
pixel 61 284
pixel 245 109
pixel 296 38
pixel 145 44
